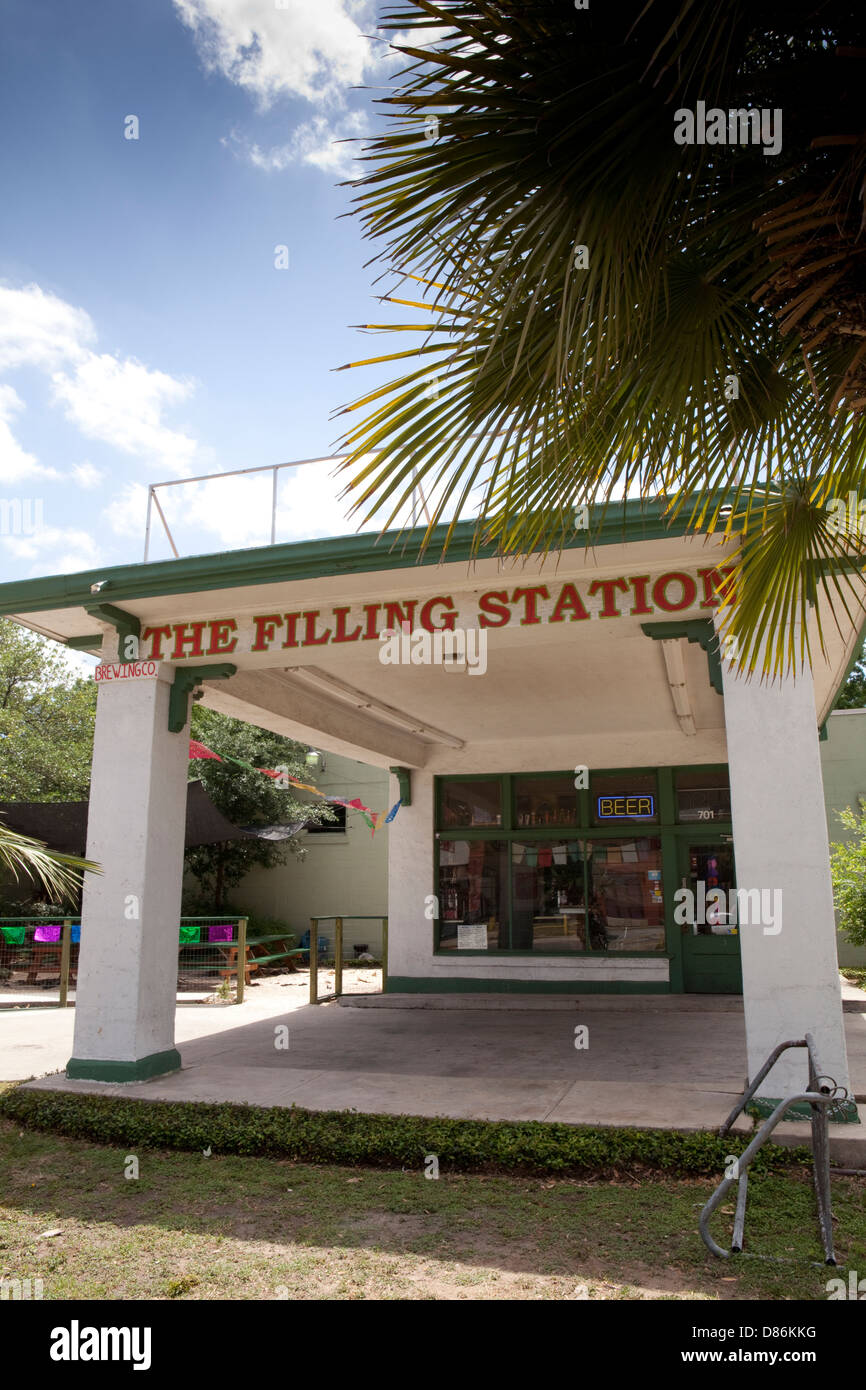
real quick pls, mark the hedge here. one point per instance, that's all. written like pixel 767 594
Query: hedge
pixel 349 1138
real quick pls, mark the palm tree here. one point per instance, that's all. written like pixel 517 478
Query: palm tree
pixel 605 312
pixel 58 873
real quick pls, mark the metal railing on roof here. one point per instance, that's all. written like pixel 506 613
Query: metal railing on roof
pixel 419 501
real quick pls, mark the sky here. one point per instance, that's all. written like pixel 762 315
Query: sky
pixel 178 278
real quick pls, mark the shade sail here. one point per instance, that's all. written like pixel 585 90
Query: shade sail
pixel 62 825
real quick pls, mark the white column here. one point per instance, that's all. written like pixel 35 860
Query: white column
pixel 125 997
pixel 790 976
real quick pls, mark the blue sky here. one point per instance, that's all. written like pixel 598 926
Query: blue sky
pixel 145 330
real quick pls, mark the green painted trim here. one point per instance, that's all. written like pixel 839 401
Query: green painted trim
pixel 186 678
pixel 426 984
pixel 670 884
pixel 124 624
pixel 822 732
pixel 84 644
pixel 404 781
pixel 700 630
pixel 157 1064
pixel 621 522
pixel 844 1113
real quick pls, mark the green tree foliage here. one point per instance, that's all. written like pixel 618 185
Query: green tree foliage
pixel 246 798
pixel 47 715
pixel 854 690
pixel 848 865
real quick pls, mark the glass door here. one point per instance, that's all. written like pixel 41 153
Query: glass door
pixel 706 916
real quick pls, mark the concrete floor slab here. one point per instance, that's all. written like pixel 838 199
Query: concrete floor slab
pixel 649 1062
pixel 635 1105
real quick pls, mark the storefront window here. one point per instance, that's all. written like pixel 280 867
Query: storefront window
pixel 548 904
pixel 529 864
pixel 703 794
pixel 472 895
pixel 543 801
pixel 626 903
pixel 620 798
pixel 471 803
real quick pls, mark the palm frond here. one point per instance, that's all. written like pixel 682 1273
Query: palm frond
pixel 59 874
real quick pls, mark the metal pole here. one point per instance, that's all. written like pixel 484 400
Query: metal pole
pixel 165 525
pixel 242 958
pixel 314 960
pixel 745 1159
pixel 821 1171
pixel 384 954
pixel 147 527
pixel 752 1088
pixel 338 958
pixel 740 1216
pixel 64 961
pixel 274 508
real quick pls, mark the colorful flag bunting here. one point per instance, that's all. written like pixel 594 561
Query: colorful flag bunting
pixel 372 818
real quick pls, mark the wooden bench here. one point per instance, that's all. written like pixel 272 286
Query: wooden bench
pixel 230 956
pixel 270 956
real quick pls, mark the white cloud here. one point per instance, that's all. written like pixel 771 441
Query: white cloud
pixel 40 330
pixel 16 463
pixel 315 49
pixel 63 549
pixel 332 146
pixel 122 403
pixel 114 399
pixel 127 512
pixel 86 476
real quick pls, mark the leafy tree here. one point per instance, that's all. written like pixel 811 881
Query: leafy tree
pixel 604 312
pixel 246 798
pixel 46 721
pixel 848 866
pixel 854 690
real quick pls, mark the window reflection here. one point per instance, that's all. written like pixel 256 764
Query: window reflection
pixel 548 896
pixel 626 904
pixel 472 895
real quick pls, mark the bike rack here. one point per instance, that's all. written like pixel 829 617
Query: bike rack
pixel 822 1095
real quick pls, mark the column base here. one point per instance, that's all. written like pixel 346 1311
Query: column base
pixel 157 1064
pixel 844 1113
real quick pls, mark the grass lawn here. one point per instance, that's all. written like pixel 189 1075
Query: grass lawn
pixel 233 1227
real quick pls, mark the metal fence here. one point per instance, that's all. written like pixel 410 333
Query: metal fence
pixel 338 953
pixel 39 957
pixel 38 954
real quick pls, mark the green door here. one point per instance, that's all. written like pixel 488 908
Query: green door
pixel 711 945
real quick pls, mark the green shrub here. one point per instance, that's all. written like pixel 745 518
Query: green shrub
pixel 346 1137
